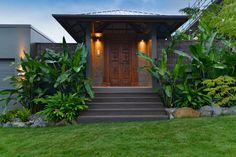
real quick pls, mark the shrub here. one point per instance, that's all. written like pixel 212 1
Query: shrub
pixel 167 79
pixel 23 114
pixel 188 97
pixel 222 90
pixel 47 74
pixel 61 106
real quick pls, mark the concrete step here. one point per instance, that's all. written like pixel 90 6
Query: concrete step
pixel 130 111
pixel 126 99
pixel 126 95
pixel 124 105
pixel 123 90
pixel 120 118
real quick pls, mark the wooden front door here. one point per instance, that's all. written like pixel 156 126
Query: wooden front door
pixel 121 62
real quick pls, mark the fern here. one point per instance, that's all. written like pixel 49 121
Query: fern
pixel 222 90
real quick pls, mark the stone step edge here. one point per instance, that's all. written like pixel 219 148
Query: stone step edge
pixel 126 116
pixel 128 109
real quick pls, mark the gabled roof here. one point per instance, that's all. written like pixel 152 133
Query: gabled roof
pixel 120 12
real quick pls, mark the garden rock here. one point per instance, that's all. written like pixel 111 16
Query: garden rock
pixel 7 125
pixel 62 123
pixel 170 112
pixel 232 110
pixel 34 117
pixel 206 111
pixel 186 112
pixel 18 124
pixel 216 110
pixel 225 110
pixel 15 120
pixel 39 122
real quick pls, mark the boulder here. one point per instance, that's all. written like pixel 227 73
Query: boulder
pixel 216 110
pixel 7 125
pixel 62 123
pixel 15 120
pixel 39 122
pixel 34 117
pixel 206 111
pixel 18 124
pixel 185 112
pixel 170 112
pixel 232 110
pixel 225 110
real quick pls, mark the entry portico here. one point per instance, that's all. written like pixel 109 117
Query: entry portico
pixel 114 37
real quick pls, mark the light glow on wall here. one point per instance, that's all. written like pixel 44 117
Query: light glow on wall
pixel 21 47
pixel 142 46
pixel 98 47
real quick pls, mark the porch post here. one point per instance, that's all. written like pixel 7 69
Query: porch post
pixel 88 46
pixel 154 51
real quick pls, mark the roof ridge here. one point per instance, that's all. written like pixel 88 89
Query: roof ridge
pixel 121 12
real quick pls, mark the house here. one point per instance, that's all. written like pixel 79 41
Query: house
pixel 14 40
pixel 112 38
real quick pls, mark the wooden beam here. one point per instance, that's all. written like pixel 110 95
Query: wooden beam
pixel 102 27
pixel 88 46
pixel 154 51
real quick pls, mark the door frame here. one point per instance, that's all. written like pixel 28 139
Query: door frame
pixel 134 59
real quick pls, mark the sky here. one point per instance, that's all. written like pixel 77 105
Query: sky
pixel 38 13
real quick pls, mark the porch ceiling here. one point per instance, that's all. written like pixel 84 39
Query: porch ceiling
pixel 76 24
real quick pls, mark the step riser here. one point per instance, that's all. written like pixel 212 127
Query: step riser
pixel 125 112
pixel 123 106
pixel 126 95
pixel 133 99
pixel 131 119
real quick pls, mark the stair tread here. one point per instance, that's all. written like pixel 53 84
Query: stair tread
pixel 128 109
pixel 124 116
pixel 131 97
pixel 138 103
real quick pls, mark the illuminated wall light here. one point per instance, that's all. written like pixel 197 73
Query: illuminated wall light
pixel 98 35
pixel 142 46
pixel 22 47
pixel 98 47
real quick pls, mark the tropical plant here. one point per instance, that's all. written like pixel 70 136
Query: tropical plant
pixel 62 106
pixel 222 90
pixel 186 96
pixel 222 17
pixel 209 56
pixel 47 74
pixel 166 78
pixel 22 114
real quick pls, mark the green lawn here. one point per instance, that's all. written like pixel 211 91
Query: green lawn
pixel 201 137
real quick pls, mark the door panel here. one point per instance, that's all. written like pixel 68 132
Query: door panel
pixel 120 63
pixel 120 60
pixel 125 64
pixel 114 63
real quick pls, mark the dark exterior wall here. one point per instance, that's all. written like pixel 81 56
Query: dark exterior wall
pixel 172 58
pixel 38 48
pixel 98 61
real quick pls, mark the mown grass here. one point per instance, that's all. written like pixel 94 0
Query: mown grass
pixel 207 137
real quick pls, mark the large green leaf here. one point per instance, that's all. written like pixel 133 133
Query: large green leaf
pixel 62 78
pixel 168 91
pixel 88 87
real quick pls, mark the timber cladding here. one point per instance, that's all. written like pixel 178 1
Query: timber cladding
pixel 172 58
pixel 38 48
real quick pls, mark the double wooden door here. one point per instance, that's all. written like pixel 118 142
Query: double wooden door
pixel 121 63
